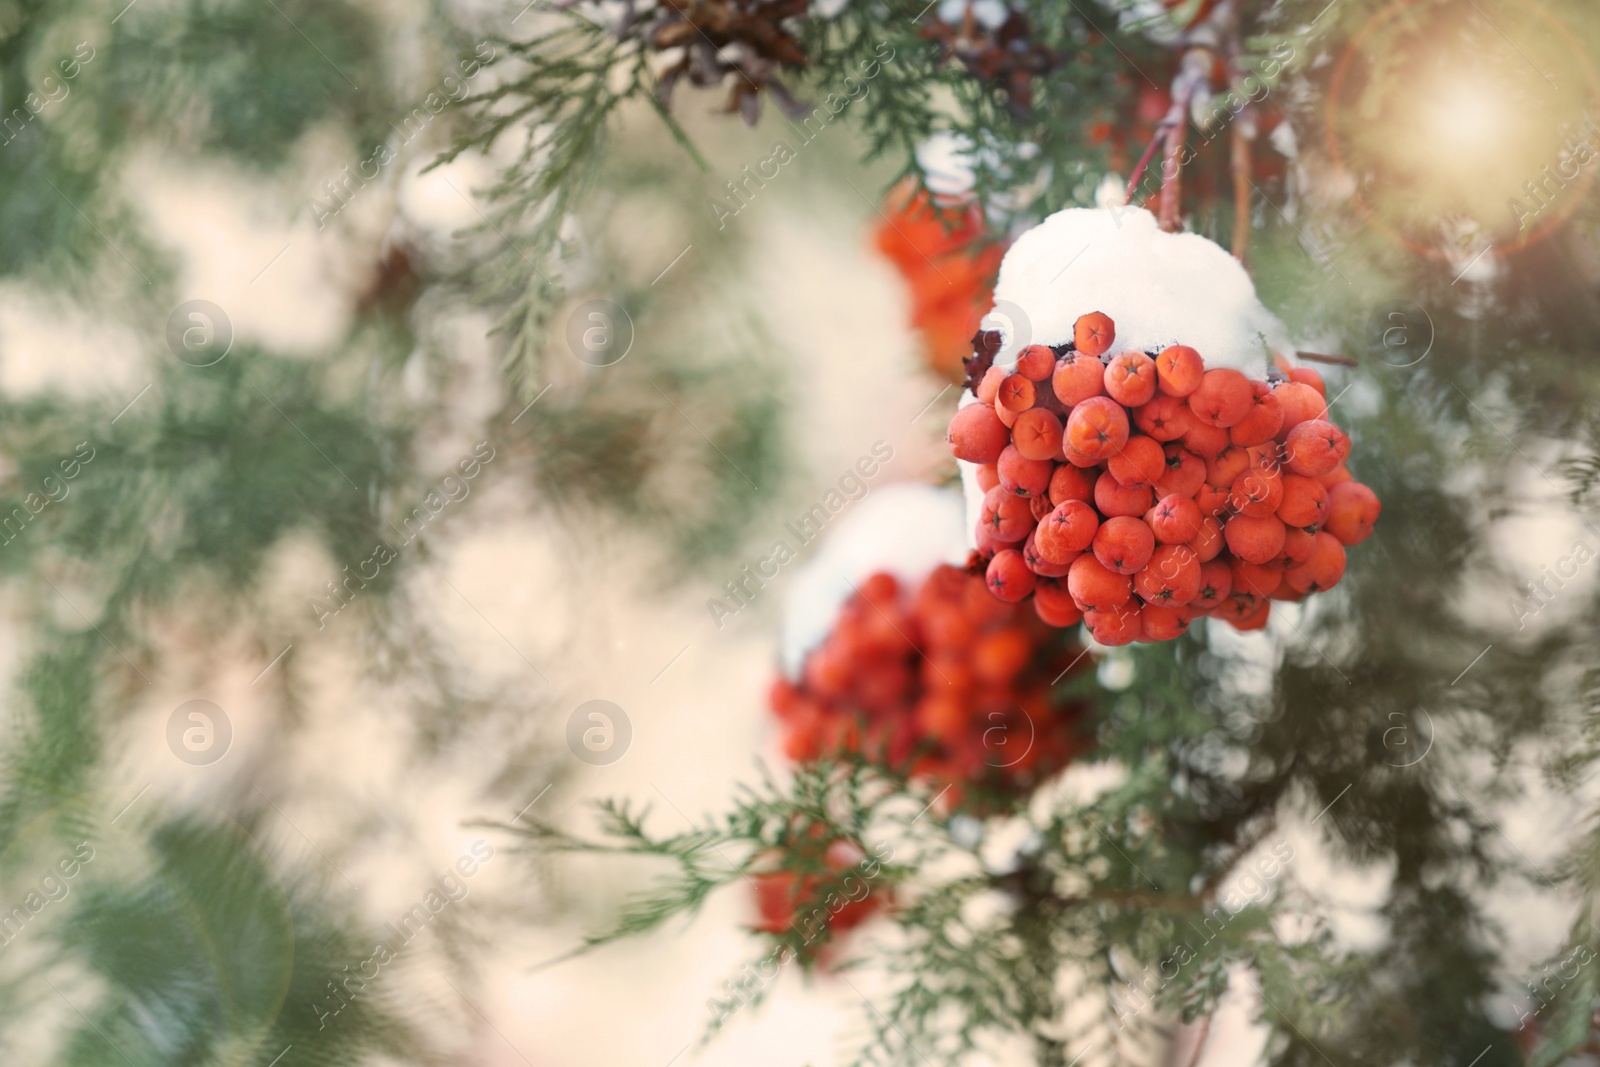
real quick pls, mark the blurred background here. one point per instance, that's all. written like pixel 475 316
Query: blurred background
pixel 342 466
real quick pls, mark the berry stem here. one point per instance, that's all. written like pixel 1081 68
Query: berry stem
pixel 1190 74
pixel 1240 160
pixel 1144 161
pixel 1171 174
pixel 1243 133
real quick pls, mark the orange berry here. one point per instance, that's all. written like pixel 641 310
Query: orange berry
pixel 1305 502
pixel 1020 475
pixel 1224 397
pixel 1254 539
pixel 1285 591
pixel 1257 579
pixel 1300 403
pixel 1053 593
pixel 989 386
pixel 1119 626
pixel 1323 570
pixel 1078 376
pixel 1093 333
pixel 1251 614
pixel 1036 363
pixel 1337 476
pixel 1000 656
pixel 988 477
pixel 1094 587
pixel 784 697
pixel 1257 492
pixel 1124 544
pixel 942 715
pixel 802 745
pixel 1175 520
pixel 1078 459
pixel 1016 394
pixel 1267 457
pixel 1039 563
pixel 1353 508
pixel 1307 376
pixel 1179 369
pixel 1261 424
pixel 946 628
pixel 1204 441
pixel 1037 435
pixel 1186 472
pixel 1071 483
pixel 1098 428
pixel 1161 623
pixel 1005 518
pixel 1140 462
pixel 1054 613
pixel 1211 500
pixel 1297 544
pixel 1112 498
pixel 1069 529
pixel 986 546
pixel 1216 582
pixel 1223 468
pixel 1315 447
pixel 1008 576
pixel 977 435
pixel 1171 577
pixel 1166 418
pixel 881 589
pixel 1208 543
pixel 1131 379
pixel 1004 414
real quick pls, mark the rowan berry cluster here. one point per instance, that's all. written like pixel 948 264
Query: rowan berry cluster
pixel 818 890
pixel 943 251
pixel 943 683
pixel 1139 490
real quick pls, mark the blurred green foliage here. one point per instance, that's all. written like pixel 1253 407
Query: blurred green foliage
pixel 202 947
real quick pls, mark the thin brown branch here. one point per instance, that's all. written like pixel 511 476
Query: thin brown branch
pixel 1172 173
pixel 1169 212
pixel 1239 160
pixel 1318 357
pixel 1144 161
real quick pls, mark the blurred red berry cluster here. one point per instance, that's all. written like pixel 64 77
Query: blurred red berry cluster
pixel 1139 490
pixel 941 682
pixel 818 889
pixel 947 258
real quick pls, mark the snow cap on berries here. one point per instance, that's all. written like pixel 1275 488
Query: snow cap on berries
pixel 905 529
pixel 1159 288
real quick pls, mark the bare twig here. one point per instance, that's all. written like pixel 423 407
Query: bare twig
pixel 1240 162
pixel 1318 357
pixel 1172 171
pixel 1191 72
pixel 1144 161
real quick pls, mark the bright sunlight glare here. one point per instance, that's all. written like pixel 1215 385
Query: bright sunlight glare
pixel 1465 117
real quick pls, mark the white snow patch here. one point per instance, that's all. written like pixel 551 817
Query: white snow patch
pixel 905 529
pixel 1236 1036
pixel 946 162
pixel 1159 289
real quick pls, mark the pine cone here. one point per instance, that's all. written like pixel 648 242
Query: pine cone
pixel 1005 58
pixel 723 37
